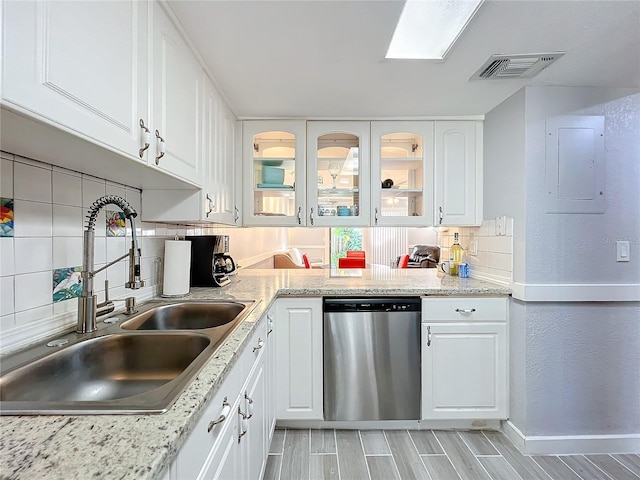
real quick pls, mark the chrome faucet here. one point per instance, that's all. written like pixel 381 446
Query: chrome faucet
pixel 88 306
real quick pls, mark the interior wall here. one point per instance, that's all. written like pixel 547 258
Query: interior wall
pixel 580 248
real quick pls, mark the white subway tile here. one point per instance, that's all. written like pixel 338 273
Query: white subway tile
pixel 100 251
pixel 505 245
pixel 133 196
pixel 148 229
pixel 33 255
pixel 6 178
pixel 117 274
pixel 7 257
pixel 101 223
pixel 92 189
pixel 32 219
pixel 33 290
pixel 115 189
pixel 31 183
pixel 6 296
pixel 65 306
pixel 67 221
pixel 33 315
pixel 493 244
pixel 67 189
pixel 152 247
pixel 67 252
pixel 161 230
pixel 116 246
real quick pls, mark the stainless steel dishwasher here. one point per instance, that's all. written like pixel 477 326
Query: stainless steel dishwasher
pixel 372 358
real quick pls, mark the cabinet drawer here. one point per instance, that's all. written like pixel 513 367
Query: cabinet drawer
pixel 464 309
pixel 253 348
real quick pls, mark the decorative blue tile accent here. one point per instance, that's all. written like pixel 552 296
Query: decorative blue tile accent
pixel 66 283
pixel 6 217
pixel 116 224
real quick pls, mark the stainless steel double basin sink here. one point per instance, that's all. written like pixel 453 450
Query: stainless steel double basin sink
pixel 138 364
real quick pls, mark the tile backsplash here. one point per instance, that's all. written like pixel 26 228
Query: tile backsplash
pixel 49 205
pixel 493 258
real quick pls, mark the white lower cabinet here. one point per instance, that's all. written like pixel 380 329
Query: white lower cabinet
pixel 231 439
pixel 464 358
pixel 299 358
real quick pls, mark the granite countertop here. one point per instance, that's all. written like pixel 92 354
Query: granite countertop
pixel 141 446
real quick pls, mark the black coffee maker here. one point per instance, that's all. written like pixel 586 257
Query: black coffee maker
pixel 210 263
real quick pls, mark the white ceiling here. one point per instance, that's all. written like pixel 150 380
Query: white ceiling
pixel 325 59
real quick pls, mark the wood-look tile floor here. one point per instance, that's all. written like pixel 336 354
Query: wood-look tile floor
pixel 430 455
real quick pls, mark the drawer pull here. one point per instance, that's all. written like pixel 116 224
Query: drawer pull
pixel 259 346
pixel 465 310
pixel 429 336
pixel 144 138
pixel 226 408
pixel 244 424
pixel 249 405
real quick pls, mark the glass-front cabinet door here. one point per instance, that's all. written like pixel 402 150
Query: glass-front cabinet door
pixel 338 173
pixel 402 173
pixel 274 172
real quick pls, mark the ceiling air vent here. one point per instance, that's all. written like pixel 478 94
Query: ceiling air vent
pixel 524 65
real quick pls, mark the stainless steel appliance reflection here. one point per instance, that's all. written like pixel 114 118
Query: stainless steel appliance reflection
pixel 372 358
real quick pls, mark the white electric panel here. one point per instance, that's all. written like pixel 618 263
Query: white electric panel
pixel 574 164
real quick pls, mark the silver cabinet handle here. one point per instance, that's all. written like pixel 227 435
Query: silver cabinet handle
pixel 376 216
pixel 249 405
pixel 259 346
pixel 441 215
pixel 465 310
pixel 160 141
pixel 311 216
pixel 210 204
pixel 236 214
pixel 226 408
pixel 144 138
pixel 243 424
pixel 428 335
pixel 299 215
pixel 269 324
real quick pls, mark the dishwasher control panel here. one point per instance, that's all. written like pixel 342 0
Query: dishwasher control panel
pixel 376 304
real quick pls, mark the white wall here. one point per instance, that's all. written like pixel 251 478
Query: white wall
pixel 574 366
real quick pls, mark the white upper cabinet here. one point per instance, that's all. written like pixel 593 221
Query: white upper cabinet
pixel 178 81
pixel 402 173
pixel 458 172
pixel 274 172
pixel 338 179
pixel 81 66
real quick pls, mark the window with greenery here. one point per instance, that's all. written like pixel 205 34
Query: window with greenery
pixel 343 239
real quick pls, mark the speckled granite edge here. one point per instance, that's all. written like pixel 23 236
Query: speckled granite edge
pixel 142 446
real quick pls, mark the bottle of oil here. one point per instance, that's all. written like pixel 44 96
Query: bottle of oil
pixel 455 253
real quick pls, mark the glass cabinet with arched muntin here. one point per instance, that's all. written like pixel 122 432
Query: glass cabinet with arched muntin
pixel 274 172
pixel 338 173
pixel 402 173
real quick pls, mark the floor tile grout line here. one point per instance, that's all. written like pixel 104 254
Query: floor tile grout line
pixel 416 449
pixel 569 467
pixel 335 439
pixel 393 458
pixel 363 453
pixel 284 439
pixel 446 454
pixel 461 437
pixel 587 459
pixel 615 459
pixel 309 459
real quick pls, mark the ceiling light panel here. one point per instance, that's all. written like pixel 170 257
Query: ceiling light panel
pixel 427 29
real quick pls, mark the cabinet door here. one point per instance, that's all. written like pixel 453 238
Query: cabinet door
pixel 299 358
pixel 338 182
pixel 254 443
pixel 225 461
pixel 177 102
pixel 458 171
pixel 464 371
pixel 274 178
pixel 402 173
pixel 218 160
pixel 79 65
pixel 271 369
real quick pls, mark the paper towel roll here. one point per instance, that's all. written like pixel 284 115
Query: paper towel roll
pixel 177 263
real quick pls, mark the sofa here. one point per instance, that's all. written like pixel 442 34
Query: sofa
pixel 292 258
pixel 423 256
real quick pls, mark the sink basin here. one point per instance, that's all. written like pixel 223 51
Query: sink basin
pixel 125 371
pixel 141 369
pixel 187 316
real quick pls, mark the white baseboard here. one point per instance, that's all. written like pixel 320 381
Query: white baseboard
pixel 571 444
